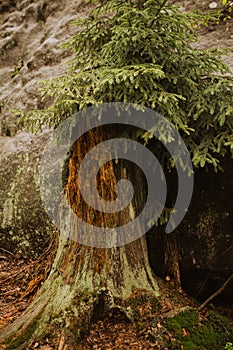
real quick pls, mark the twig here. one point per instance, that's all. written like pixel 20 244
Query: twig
pixel 214 295
pixel 35 262
pixel 202 285
pixel 6 251
pixel 14 274
pixel 161 7
pixel 9 292
pixel 227 250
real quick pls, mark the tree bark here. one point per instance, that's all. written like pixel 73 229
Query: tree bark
pixel 172 260
pixel 86 282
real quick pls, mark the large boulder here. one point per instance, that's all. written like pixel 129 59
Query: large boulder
pixel 205 236
pixel 31 34
pixel 24 226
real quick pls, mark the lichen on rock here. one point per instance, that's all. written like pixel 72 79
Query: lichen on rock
pixel 24 225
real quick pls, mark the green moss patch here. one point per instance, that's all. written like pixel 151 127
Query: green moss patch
pixel 13 343
pixel 191 332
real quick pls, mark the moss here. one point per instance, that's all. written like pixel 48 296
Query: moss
pixel 205 336
pixel 143 307
pixel 20 232
pixel 144 298
pixel 189 345
pixel 184 320
pixel 13 343
pixel 10 44
pixel 218 321
pixel 189 332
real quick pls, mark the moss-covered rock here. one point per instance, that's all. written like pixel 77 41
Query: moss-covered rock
pixel 24 225
pixel 204 237
pixel 189 331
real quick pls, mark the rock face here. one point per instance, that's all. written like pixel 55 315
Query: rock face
pixel 205 238
pixel 206 241
pixel 31 35
pixel 24 225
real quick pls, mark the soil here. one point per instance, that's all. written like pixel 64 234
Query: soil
pixel 31 33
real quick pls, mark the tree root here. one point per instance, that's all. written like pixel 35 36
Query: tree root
pixel 70 321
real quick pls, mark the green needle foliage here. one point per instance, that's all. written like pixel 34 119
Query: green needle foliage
pixel 141 52
pixel 227 3
pixel 227 9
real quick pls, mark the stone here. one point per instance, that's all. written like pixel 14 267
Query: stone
pixel 24 226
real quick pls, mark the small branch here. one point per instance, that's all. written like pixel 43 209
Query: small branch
pixel 202 285
pixel 14 274
pixel 3 257
pixel 6 251
pixel 159 10
pixel 13 291
pixel 227 250
pixel 219 291
pixel 35 262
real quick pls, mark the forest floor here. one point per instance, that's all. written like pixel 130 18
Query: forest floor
pixel 25 60
pixel 20 279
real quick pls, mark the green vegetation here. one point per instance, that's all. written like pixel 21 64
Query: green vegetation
pixel 140 51
pixel 212 332
pixel 227 3
pixel 226 11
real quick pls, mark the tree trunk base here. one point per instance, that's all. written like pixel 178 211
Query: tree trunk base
pixel 70 322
